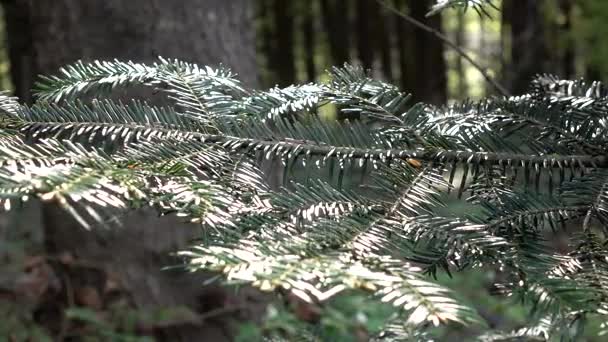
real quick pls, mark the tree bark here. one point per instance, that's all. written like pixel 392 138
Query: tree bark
pixel 528 50
pixel 308 32
pixel 569 56
pixel 47 34
pixel 385 33
pixel 405 46
pixel 431 78
pixel 366 19
pixel 335 17
pixel 44 35
pixel 265 40
pixel 283 60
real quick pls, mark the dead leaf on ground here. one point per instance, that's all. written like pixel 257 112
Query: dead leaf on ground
pixel 88 296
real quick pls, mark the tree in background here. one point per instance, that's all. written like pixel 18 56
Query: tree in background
pixel 527 42
pixel 430 72
pixel 337 24
pixel 343 264
pixel 44 35
pixel 299 39
pixel 564 37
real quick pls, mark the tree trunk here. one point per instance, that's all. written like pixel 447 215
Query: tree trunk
pixel 528 51
pixel 283 60
pixel 308 41
pixel 47 34
pixel 385 33
pixel 335 17
pixel 568 59
pixel 431 78
pixel 44 35
pixel 366 20
pixel 405 46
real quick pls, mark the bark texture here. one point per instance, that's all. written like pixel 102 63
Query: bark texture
pixel 405 46
pixel 283 59
pixel 429 59
pixel 528 45
pixel 47 34
pixel 335 15
pixel 366 42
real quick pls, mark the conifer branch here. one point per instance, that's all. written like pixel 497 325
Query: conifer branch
pixel 320 237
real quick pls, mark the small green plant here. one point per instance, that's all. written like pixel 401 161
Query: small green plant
pixel 529 169
pixel 19 325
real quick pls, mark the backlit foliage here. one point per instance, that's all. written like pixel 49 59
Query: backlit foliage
pixel 362 211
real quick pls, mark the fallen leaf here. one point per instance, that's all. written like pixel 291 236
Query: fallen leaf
pixel 88 296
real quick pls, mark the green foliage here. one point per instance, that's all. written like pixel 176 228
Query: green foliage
pixel 19 325
pixel 589 33
pixel 362 258
pixel 343 318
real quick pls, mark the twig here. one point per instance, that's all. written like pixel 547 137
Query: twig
pixel 448 42
pixel 425 154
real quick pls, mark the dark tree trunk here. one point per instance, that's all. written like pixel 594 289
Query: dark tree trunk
pixel 19 43
pixel 592 73
pixel 528 51
pixel 405 46
pixel 335 14
pixel 47 34
pixel 431 78
pixel 366 21
pixel 308 32
pixel 283 60
pixel 384 35
pixel 266 42
pixel 568 59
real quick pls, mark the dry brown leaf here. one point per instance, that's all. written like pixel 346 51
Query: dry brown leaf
pixel 88 296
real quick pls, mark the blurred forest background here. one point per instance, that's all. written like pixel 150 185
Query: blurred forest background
pixel 295 41
pixel 281 42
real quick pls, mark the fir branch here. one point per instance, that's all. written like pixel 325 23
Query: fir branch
pixel 103 122
pixel 81 78
pixel 8 104
pixel 477 5
pixel 315 239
